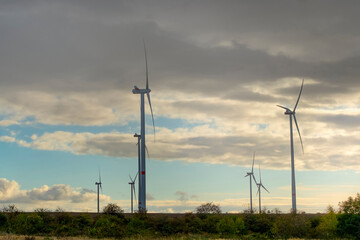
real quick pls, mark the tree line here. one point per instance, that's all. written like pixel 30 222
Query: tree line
pixel 206 220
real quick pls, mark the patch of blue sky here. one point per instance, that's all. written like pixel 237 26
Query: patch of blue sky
pixel 27 130
pixel 174 123
pixel 260 126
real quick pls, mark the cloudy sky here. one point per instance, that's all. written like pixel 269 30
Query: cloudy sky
pixel 217 71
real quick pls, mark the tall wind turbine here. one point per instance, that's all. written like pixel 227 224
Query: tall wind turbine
pixel 142 177
pixel 259 186
pixel 292 114
pixel 251 176
pixel 132 189
pixel 98 188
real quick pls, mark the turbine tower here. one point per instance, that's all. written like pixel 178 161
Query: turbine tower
pixel 98 188
pixel 259 186
pixel 142 176
pixel 138 136
pixel 291 115
pixel 251 176
pixel 132 190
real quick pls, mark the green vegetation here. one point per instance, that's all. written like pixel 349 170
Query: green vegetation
pixel 206 223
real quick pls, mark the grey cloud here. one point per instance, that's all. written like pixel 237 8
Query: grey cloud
pixel 96 47
pixel 341 121
pixel 149 197
pixel 182 196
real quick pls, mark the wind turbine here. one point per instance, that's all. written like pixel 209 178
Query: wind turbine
pixel 142 177
pixel 251 176
pixel 132 189
pixel 260 185
pixel 292 114
pixel 98 188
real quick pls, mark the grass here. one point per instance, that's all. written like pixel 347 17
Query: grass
pixel 192 237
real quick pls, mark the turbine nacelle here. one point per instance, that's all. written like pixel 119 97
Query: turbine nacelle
pixel 137 90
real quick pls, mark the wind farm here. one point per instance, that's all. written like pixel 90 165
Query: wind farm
pixel 179 96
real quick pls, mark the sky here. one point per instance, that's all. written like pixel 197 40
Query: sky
pixel 217 70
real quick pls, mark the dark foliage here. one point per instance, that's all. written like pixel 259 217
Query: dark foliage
pixel 349 225
pixel 114 224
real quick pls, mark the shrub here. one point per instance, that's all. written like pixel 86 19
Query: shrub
pixel 352 205
pixel 109 226
pixel 192 223
pixel 83 224
pixel 327 225
pixel 259 223
pixel 113 209
pixel 208 208
pixel 349 225
pixel 231 225
pixel 34 224
pixel 3 222
pixel 291 225
pixel 139 225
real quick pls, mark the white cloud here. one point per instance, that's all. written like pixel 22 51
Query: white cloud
pixel 48 196
pixel 6 123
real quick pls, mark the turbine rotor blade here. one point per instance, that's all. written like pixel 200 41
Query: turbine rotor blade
pixel 99 176
pixel 299 95
pixel 133 188
pixel 130 178
pixel 297 127
pixel 136 176
pixel 265 188
pixel 146 63
pixel 252 168
pixel 260 173
pixel 152 115
pixel 283 107
pixel 254 178
pixel 147 151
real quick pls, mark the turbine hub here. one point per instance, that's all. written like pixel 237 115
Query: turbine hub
pixel 136 90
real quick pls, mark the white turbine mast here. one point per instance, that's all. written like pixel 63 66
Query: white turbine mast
pixel 251 176
pixel 142 172
pixel 132 191
pixel 291 115
pixel 259 186
pixel 99 186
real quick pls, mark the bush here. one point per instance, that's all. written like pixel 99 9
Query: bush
pixel 113 209
pixel 109 226
pixel 231 225
pixel 351 206
pixel 327 226
pixel 349 225
pixel 3 222
pixel 291 225
pixel 192 223
pixel 34 224
pixel 209 223
pixel 208 208
pixel 140 225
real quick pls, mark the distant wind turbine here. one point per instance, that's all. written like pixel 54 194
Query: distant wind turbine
pixel 251 176
pixel 99 185
pixel 259 186
pixel 142 177
pixel 132 189
pixel 292 114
